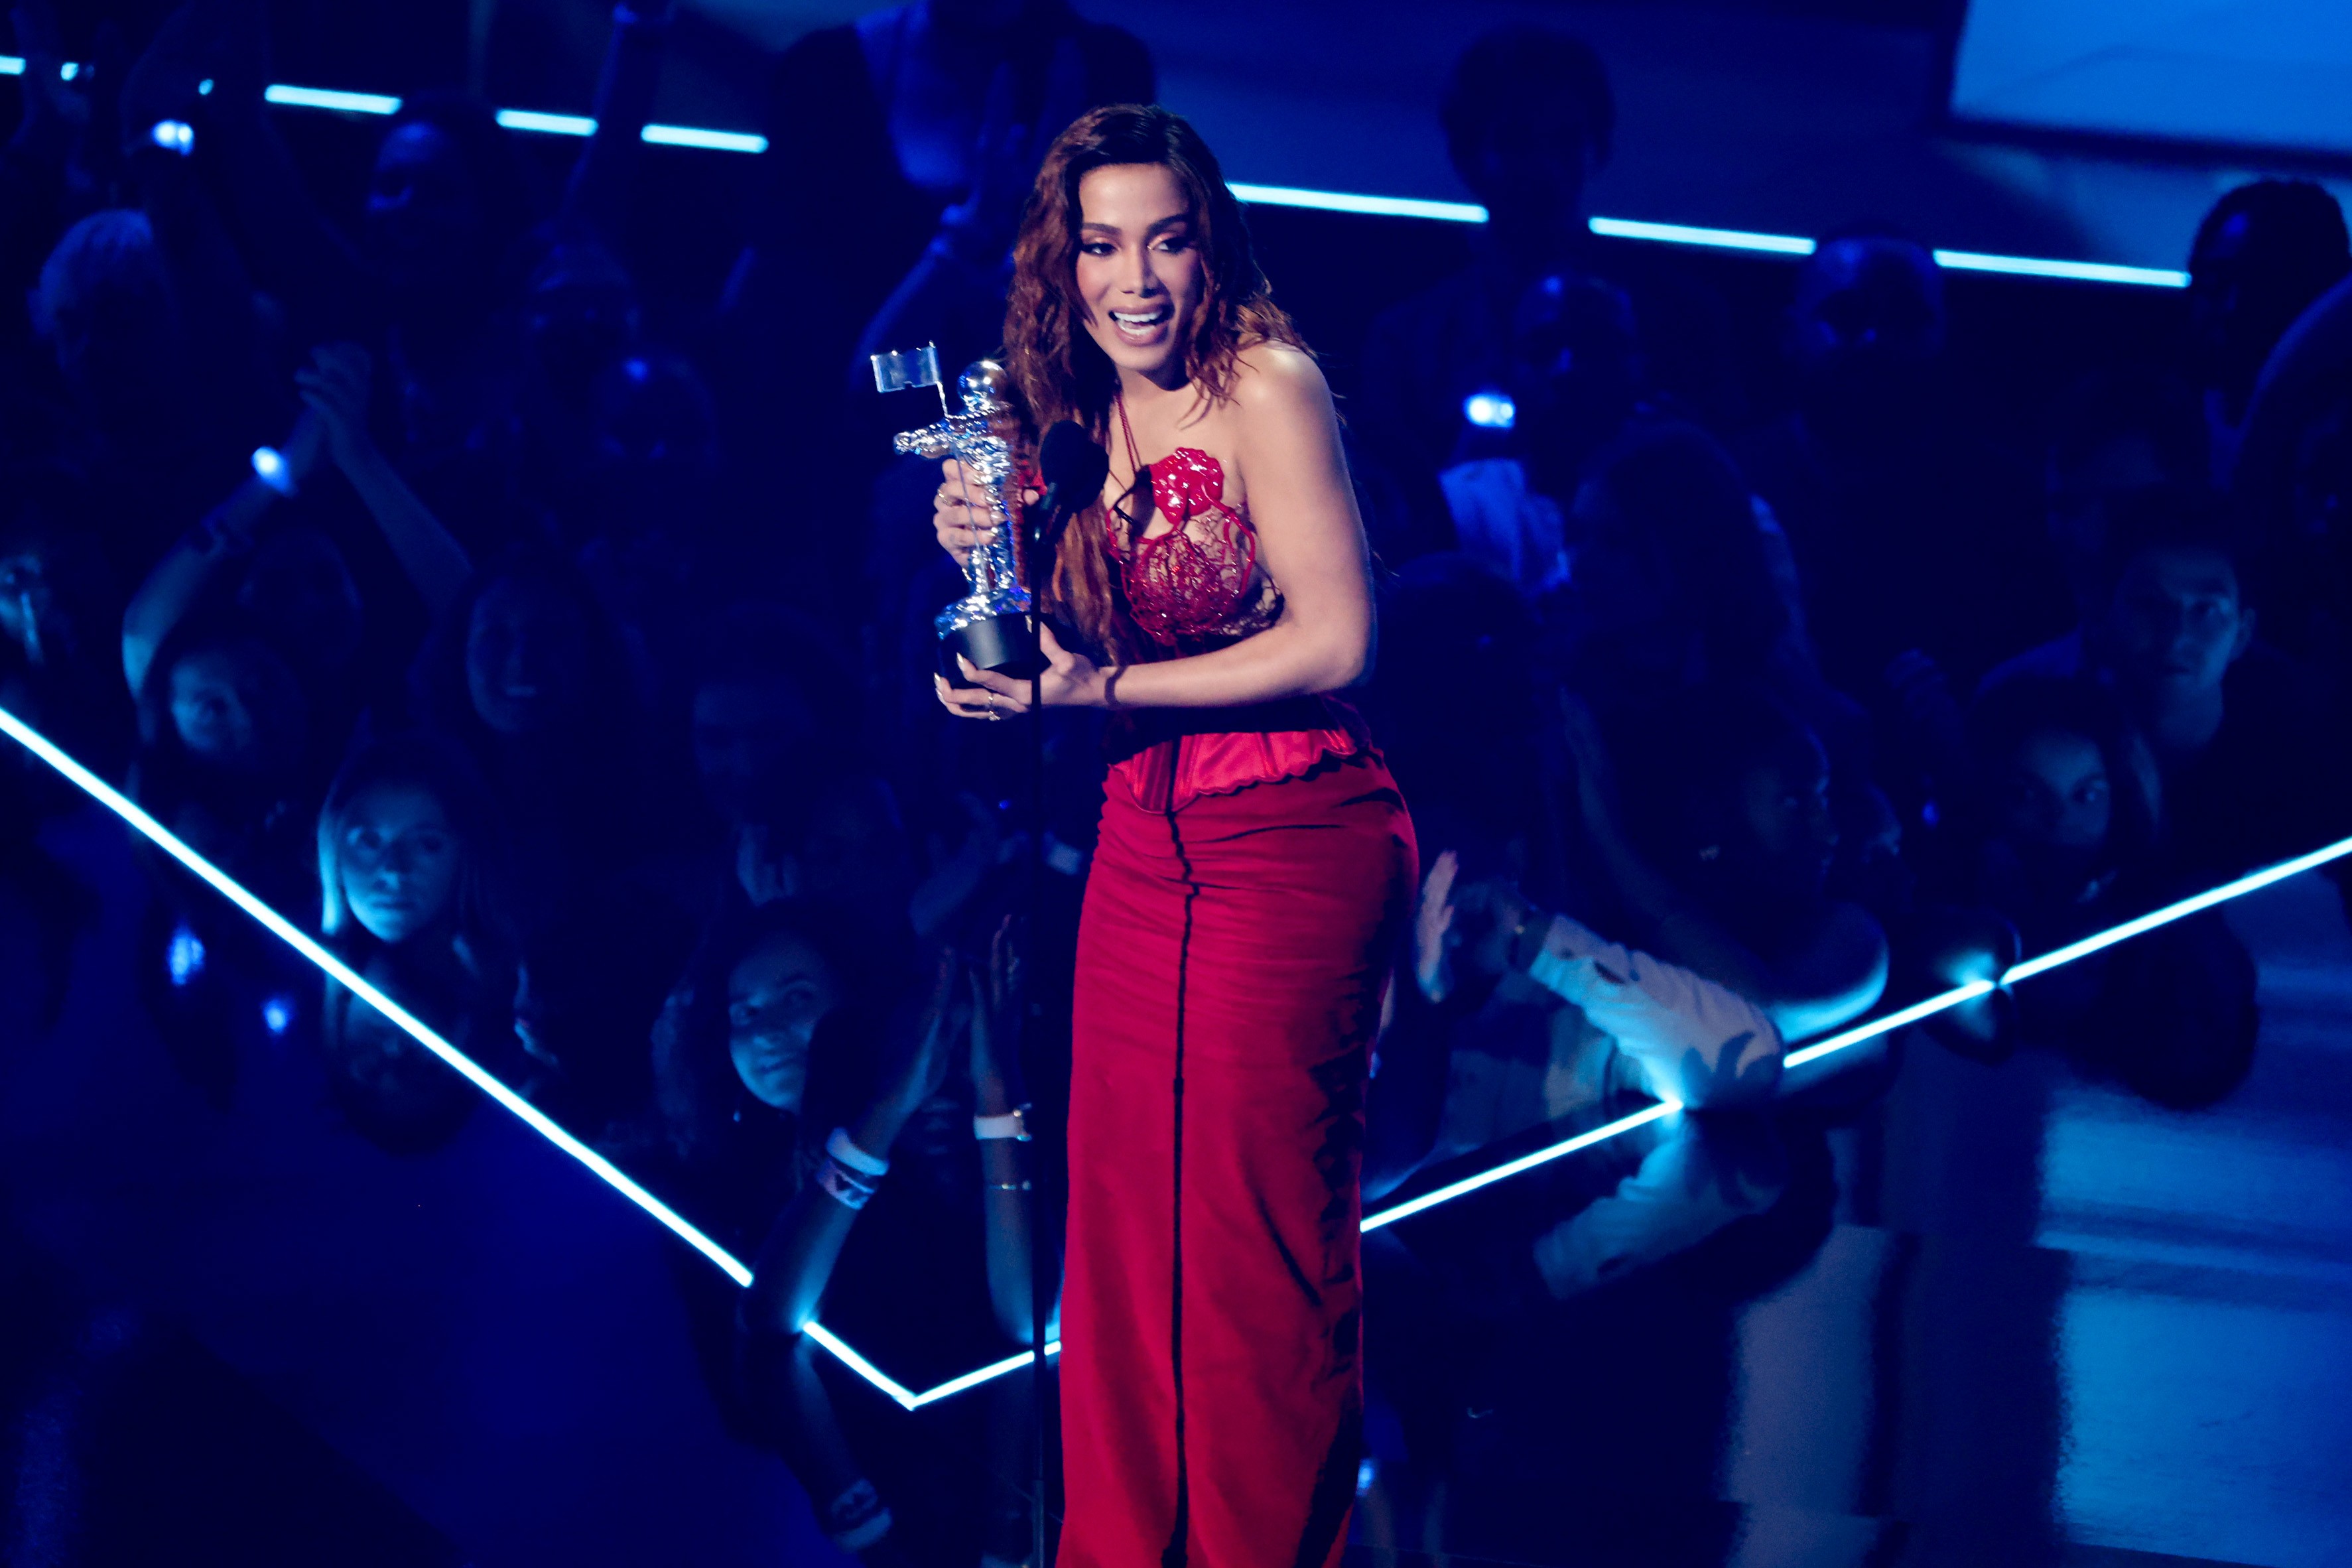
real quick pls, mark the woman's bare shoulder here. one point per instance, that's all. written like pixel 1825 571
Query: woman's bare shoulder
pixel 1270 377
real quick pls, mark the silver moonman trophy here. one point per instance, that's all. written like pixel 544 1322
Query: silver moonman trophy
pixel 994 624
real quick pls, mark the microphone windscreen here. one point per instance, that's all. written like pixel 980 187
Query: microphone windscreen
pixel 1069 460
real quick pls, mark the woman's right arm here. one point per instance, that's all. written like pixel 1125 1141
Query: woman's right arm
pixel 797 1259
pixel 335 386
pixel 206 554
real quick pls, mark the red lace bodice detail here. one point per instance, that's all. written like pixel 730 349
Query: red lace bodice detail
pixel 1199 580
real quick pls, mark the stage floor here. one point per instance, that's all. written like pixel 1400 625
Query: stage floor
pixel 1977 1314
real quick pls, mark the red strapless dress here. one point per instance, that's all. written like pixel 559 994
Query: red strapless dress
pixel 1255 869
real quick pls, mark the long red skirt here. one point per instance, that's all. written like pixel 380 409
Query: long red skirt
pixel 1230 967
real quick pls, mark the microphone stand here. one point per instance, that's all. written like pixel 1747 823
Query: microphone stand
pixel 1036 531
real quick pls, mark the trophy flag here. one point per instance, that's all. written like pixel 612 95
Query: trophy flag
pixel 908 369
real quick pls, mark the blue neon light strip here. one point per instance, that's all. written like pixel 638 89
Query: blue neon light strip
pixel 2181 910
pixel 329 100
pixel 1446 1195
pixel 537 122
pixel 1685 234
pixel 1889 1024
pixel 285 930
pixel 2079 271
pixel 1376 207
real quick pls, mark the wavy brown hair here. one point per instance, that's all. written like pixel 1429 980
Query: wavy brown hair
pixel 1055 365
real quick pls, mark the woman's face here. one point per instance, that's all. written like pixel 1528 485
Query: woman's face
pixel 1141 276
pixel 775 999
pixel 2057 795
pixel 399 860
pixel 526 658
pixel 236 708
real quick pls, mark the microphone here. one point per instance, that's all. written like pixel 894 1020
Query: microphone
pixel 1074 469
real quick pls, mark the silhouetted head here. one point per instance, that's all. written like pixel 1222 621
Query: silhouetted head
pixel 1730 793
pixel 1868 303
pixel 2116 436
pixel 581 315
pixel 2262 256
pixel 1529 119
pixel 771 715
pixel 447 201
pixel 110 311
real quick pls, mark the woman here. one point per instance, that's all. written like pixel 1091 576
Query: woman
pixel 1254 864
pixel 793 1021
pixel 414 897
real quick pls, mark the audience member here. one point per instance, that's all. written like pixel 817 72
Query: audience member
pixel 792 1019
pixel 515 581
pixel 2069 818
pixel 418 900
pixel 1530 118
pixel 2263 253
pixel 1911 531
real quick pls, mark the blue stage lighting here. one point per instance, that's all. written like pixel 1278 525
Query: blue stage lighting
pixel 547 124
pixel 1712 239
pixel 907 1399
pixel 277 1015
pixel 328 98
pixel 174 136
pixel 715 141
pixel 1344 202
pixel 270 466
pixel 285 930
pixel 2181 910
pixel 1488 1178
pixel 1490 410
pixel 12 65
pixel 184 960
pixel 2079 271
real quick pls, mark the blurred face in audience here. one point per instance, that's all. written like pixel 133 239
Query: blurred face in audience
pixel 425 223
pixel 2175 625
pixel 2247 283
pixel 1791 837
pixel 1868 318
pixel 1139 275
pixel 527 650
pixel 30 616
pixel 775 998
pixel 236 707
pixel 399 860
pixel 2078 493
pixel 580 312
pixel 299 585
pixel 2055 798
pixel 747 735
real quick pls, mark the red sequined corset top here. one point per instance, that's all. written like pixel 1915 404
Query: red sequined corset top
pixel 1197 582
pixel 1191 589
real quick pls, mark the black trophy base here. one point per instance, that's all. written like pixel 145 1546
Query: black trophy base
pixel 1002 645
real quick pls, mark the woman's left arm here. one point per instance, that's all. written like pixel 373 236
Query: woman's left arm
pixel 1310 543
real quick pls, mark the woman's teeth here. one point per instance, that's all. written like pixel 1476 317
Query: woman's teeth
pixel 1138 324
